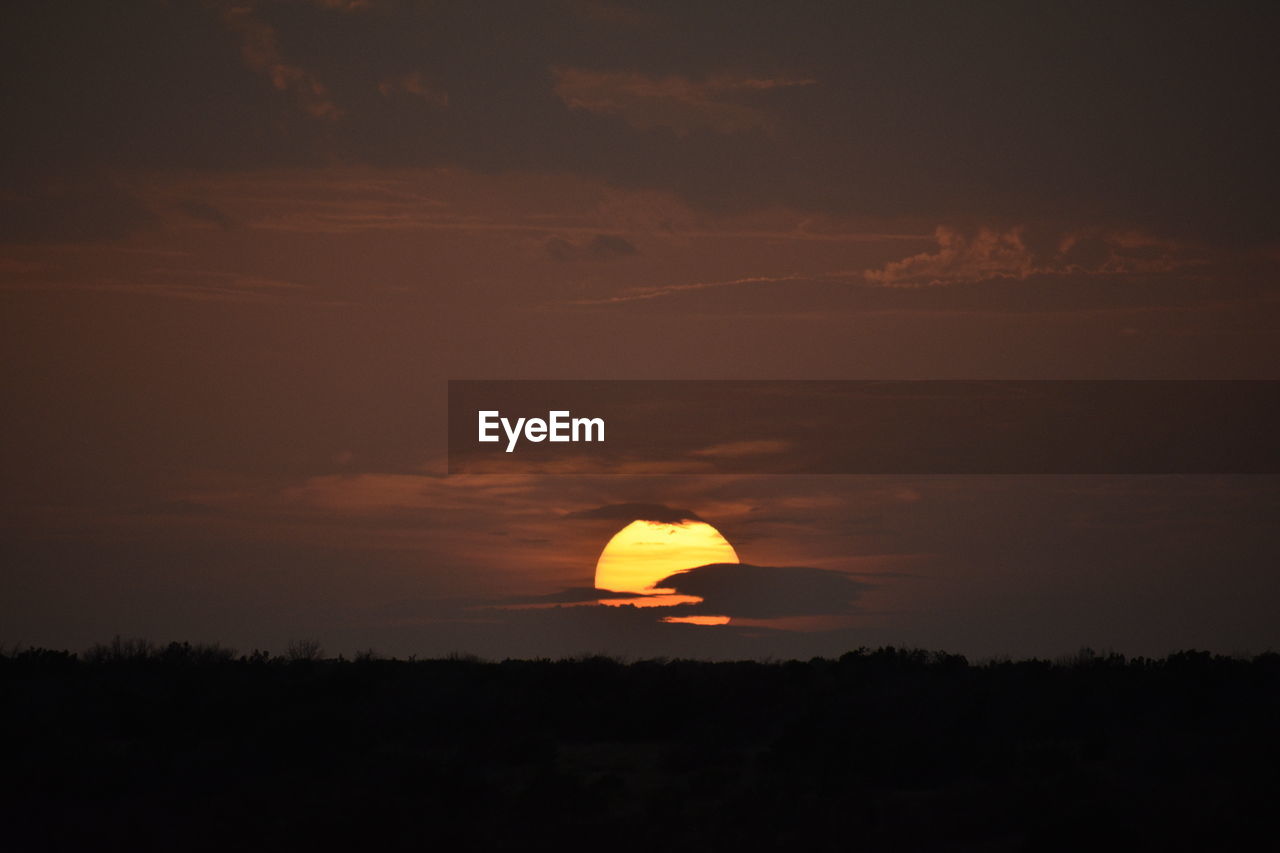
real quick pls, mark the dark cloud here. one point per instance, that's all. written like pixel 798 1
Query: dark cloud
pixel 1093 112
pixel 766 592
pixel 638 512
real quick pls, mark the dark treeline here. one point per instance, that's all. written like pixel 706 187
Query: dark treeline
pixel 134 746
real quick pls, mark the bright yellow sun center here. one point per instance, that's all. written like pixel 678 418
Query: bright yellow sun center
pixel 644 552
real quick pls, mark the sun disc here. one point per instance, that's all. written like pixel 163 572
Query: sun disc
pixel 644 552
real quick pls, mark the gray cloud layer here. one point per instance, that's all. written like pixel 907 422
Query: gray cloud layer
pixel 1088 112
pixel 766 592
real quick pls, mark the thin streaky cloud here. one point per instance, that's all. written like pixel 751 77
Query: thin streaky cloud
pixel 678 103
pixel 644 294
pixel 189 285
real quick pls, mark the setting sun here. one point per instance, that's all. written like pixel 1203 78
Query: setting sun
pixel 644 552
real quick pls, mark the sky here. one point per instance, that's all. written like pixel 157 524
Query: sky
pixel 244 245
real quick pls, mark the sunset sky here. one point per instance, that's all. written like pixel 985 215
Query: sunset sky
pixel 244 245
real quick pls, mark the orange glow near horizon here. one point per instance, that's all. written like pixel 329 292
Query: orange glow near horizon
pixel 644 552
pixel 698 620
pixel 651 600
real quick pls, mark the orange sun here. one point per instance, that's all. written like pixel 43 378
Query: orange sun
pixel 644 552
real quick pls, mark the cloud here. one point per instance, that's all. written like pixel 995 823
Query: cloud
pixel 261 53
pixel 644 294
pixel 678 103
pixel 183 284
pixel 1014 253
pixel 765 592
pixel 738 449
pixel 415 85
pixel 987 254
pixel 638 512
pixel 601 247
pixel 891 131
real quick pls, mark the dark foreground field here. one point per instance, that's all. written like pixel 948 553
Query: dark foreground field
pixel 191 749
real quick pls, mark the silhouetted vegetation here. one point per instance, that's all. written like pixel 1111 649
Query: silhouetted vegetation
pixel 137 746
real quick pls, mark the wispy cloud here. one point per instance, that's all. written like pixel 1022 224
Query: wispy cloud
pixel 350 200
pixel 959 257
pixel 414 84
pixel 657 292
pixel 188 285
pixel 719 102
pixel 738 449
pixel 601 247
pixel 261 53
pixel 990 253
